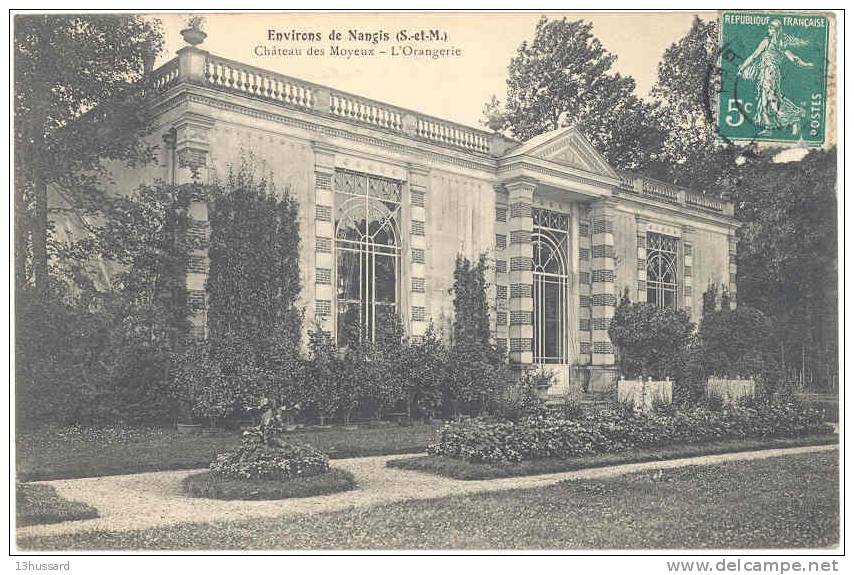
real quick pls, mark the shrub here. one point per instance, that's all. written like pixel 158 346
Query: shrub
pixel 650 341
pixel 738 342
pixel 480 440
pixel 213 487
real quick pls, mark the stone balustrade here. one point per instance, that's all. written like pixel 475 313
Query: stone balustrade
pixel 234 76
pixel 165 76
pixel 257 82
pixel 670 193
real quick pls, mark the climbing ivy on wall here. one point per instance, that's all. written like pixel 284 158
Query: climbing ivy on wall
pixel 253 285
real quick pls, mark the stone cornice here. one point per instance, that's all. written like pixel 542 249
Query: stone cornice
pixel 626 201
pixel 320 127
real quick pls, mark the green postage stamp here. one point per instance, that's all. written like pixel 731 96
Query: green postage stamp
pixel 773 82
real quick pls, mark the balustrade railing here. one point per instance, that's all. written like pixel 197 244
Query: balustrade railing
pixel 367 111
pixel 165 76
pixel 639 184
pixel 234 76
pixel 257 82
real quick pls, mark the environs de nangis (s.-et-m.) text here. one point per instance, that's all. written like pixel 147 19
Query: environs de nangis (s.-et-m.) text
pixel 430 43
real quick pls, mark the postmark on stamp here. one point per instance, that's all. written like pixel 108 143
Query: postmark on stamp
pixel 773 77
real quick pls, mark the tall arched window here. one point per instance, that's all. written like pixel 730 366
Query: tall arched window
pixel 367 251
pixel 550 286
pixel 661 269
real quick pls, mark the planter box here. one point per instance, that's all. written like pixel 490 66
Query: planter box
pixel 643 394
pixel 729 391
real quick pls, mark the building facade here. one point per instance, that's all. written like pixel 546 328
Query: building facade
pixel 389 197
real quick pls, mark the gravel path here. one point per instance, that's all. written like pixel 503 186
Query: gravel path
pixel 143 500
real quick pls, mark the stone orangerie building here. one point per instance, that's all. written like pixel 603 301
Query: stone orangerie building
pixel 388 198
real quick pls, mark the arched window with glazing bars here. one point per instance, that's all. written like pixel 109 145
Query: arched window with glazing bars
pixel 661 269
pixel 367 252
pixel 550 237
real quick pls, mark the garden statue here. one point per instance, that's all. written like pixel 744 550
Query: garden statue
pixel 274 420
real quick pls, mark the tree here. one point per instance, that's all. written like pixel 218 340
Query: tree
pixel 564 77
pixel 787 260
pixel 253 284
pixel 473 361
pixel 75 106
pixel 737 342
pixel 105 354
pixel 426 361
pixel 685 98
pixel 323 374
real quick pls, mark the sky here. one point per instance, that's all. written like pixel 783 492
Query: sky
pixel 455 88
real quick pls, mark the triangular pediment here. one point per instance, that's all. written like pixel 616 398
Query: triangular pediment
pixel 567 147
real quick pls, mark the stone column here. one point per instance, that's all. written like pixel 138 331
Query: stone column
pixel 687 274
pixel 584 295
pixel 419 303
pixel 604 300
pixel 521 276
pixel 502 278
pixel 192 149
pixel 573 313
pixel 641 227
pixel 324 237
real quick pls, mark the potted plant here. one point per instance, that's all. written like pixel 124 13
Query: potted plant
pixel 194 34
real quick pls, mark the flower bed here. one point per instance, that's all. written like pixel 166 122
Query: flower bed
pixel 273 462
pixel 468 470
pixel 211 486
pixel 481 440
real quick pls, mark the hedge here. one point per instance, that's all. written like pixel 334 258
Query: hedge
pixel 483 440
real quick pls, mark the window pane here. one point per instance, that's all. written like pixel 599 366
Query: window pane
pixel 350 217
pixel 348 323
pixel 550 284
pixel 669 298
pixel 385 324
pixel 552 323
pixel 385 279
pixel 349 275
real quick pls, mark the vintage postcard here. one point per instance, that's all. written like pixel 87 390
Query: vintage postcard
pixel 427 282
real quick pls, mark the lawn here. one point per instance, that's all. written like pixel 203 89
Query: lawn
pixel 459 469
pixel 71 453
pixel 783 502
pixel 39 504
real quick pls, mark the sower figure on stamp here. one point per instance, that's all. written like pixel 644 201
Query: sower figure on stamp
pixel 773 109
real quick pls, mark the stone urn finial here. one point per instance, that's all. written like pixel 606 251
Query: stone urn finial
pixel 194 33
